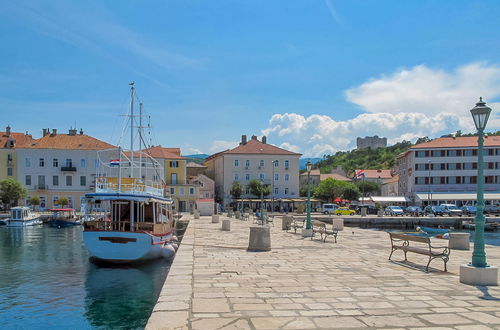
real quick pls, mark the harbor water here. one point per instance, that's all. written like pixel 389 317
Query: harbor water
pixel 47 281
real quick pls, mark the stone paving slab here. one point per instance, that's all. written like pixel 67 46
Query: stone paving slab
pixel 214 283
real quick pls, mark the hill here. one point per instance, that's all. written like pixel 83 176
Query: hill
pixel 198 158
pixel 381 158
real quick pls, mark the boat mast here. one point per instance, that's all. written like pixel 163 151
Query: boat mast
pixel 132 211
pixel 140 140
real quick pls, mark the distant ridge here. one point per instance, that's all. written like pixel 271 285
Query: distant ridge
pixel 303 161
pixel 198 158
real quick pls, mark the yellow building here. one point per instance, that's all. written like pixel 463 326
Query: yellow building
pixel 183 193
pixel 9 141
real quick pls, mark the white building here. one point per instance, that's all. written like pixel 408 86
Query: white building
pixel 254 159
pixel 445 170
pixel 59 165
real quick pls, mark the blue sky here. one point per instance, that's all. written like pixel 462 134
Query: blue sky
pixel 312 74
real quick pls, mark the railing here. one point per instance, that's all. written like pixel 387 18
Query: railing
pixel 68 169
pixel 41 187
pixel 134 188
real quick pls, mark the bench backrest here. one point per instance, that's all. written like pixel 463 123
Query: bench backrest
pixel 317 223
pixel 412 238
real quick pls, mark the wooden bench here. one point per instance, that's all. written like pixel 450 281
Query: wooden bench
pixel 402 242
pixel 320 227
pixel 297 223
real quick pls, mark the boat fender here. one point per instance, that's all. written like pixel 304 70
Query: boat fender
pixel 174 238
pixel 167 251
pixel 175 246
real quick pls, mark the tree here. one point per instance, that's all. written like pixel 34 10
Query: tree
pixel 367 187
pixel 236 190
pixel 351 192
pixel 329 189
pixel 303 190
pixel 62 202
pixel 34 201
pixel 256 187
pixel 11 191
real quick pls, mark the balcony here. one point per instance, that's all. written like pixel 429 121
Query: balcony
pixel 41 187
pixel 68 169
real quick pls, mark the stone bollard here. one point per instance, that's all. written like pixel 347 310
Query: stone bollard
pixel 459 241
pixel 338 224
pixel 196 214
pixel 237 214
pixel 380 213
pixel 260 239
pixel 363 211
pixel 286 222
pixel 215 218
pixel 226 225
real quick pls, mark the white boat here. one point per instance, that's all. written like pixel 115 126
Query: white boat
pixel 21 216
pixel 133 221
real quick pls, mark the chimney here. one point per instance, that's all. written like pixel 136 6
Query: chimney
pixel 45 131
pixel 254 137
pixel 7 131
pixel 264 139
pixel 243 139
pixel 54 132
pixel 81 131
pixel 72 131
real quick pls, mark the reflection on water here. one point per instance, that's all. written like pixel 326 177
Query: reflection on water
pixel 47 281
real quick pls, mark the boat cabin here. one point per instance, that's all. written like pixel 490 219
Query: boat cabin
pixel 20 213
pixel 63 214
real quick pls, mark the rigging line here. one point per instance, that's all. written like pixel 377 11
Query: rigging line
pixel 122 106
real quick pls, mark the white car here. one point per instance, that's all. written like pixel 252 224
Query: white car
pixel 329 208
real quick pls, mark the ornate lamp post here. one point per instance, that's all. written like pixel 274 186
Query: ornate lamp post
pixel 479 272
pixel 307 232
pixel 272 203
pixel 262 201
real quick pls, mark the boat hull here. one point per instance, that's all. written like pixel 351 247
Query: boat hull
pixel 23 223
pixel 124 247
pixel 63 223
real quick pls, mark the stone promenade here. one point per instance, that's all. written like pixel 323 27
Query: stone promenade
pixel 214 283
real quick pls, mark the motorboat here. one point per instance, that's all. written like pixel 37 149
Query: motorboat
pixel 64 217
pixel 21 216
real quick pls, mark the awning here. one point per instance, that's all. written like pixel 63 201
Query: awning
pixel 456 196
pixel 389 199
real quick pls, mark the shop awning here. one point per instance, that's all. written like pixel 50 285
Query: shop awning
pixel 456 196
pixel 389 199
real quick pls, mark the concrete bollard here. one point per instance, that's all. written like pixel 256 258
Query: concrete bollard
pixel 363 211
pixel 286 222
pixel 380 213
pixel 196 214
pixel 215 218
pixel 226 225
pixel 459 241
pixel 338 224
pixel 260 239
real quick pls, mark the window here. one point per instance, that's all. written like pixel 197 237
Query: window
pixel 247 177
pixel 174 164
pixel 287 163
pixel 27 180
pixel 202 184
pixel 83 163
pixel 287 177
pixel 420 154
pixel 261 176
pixel 420 167
pixel 468 152
pixel 276 176
pixel 452 180
pixel 41 181
pixel 452 153
pixel 276 191
pixel 10 171
pixel 261 164
pixel 54 200
pixel 172 191
pixel 96 163
pixel 173 178
pixel 276 163
pixel 421 180
pixel 247 163
pixel 436 153
pixel 181 191
pixel 247 190
pixel 286 191
pixel 236 177
pixel 83 180
pixel 55 162
pixel 236 163
pixel 69 162
pixel 191 191
pixel 55 180
pixel 69 180
pixel 41 162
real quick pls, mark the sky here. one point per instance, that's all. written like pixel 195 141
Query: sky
pixel 311 75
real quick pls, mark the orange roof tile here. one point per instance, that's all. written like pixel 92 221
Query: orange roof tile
pixel 66 141
pixel 164 153
pixel 335 176
pixel 457 142
pixel 375 174
pixel 21 139
pixel 254 146
pixel 313 172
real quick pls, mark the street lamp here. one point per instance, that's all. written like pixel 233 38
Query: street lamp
pixel 308 230
pixel 272 203
pixel 479 272
pixel 429 181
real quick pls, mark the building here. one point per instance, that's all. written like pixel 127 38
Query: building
pixel 183 192
pixel 316 177
pixel 254 159
pixel 59 165
pixel 9 142
pixel 371 142
pixel 195 169
pixel 445 170
pixel 206 186
pixel 390 187
pixel 377 176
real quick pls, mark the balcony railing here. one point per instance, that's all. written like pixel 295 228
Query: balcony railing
pixel 41 187
pixel 68 169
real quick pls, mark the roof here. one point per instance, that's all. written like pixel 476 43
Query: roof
pixel 375 174
pixel 193 164
pixel 22 139
pixel 256 147
pixel 164 153
pixel 457 142
pixel 66 141
pixel 176 151
pixel 313 172
pixel 456 196
pixel 335 176
pixel 394 179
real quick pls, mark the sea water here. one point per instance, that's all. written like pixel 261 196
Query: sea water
pixel 47 282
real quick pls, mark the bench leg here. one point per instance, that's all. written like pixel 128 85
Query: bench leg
pixel 392 251
pixel 427 267
pixel 405 256
pixel 335 236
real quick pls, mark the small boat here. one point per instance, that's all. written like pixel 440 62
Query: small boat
pixel 21 216
pixel 63 218
pixel 433 231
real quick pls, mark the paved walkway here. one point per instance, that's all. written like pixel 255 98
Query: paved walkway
pixel 214 283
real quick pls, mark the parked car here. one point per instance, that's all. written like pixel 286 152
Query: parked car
pixel 491 210
pixel 329 208
pixel 468 210
pixel 394 211
pixel 451 210
pixel 344 211
pixel 434 209
pixel 415 211
pixel 370 209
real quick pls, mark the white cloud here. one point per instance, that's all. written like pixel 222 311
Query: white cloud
pixel 291 147
pixel 221 145
pixel 405 105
